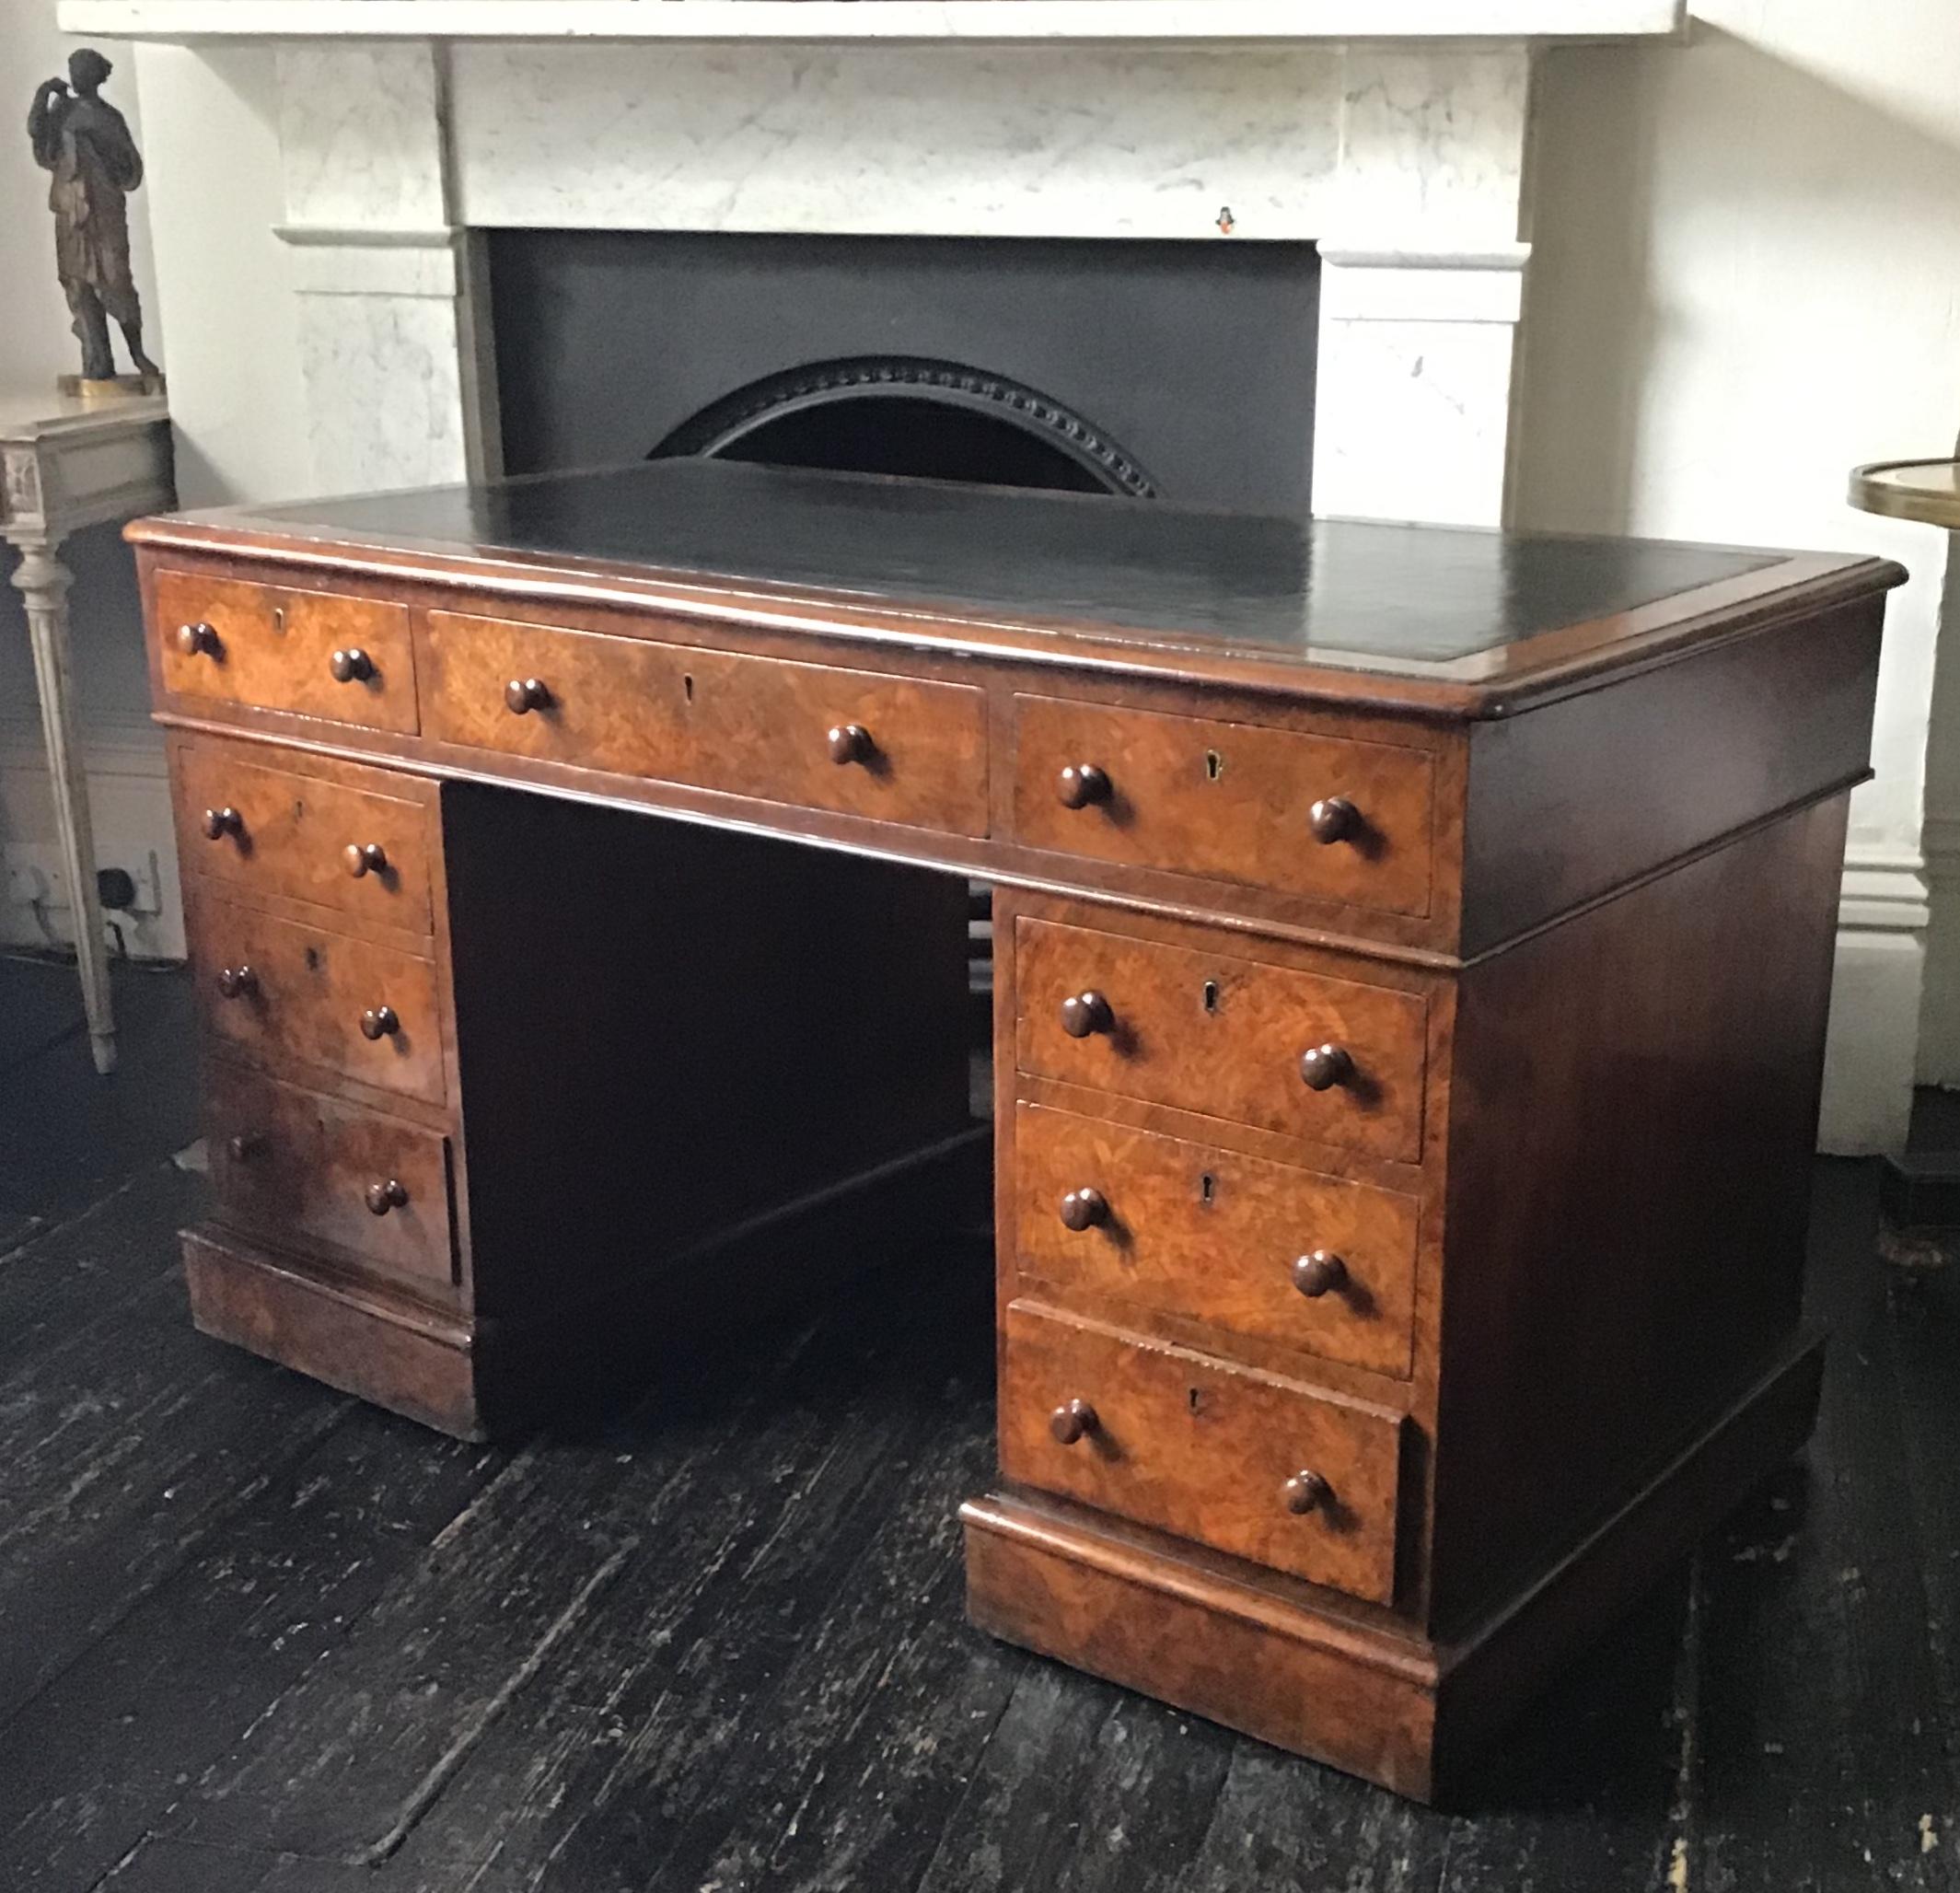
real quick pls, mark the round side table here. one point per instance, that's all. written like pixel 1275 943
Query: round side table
pixel 1927 490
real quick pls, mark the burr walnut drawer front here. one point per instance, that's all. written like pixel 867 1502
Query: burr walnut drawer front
pixel 892 747
pixel 289 1163
pixel 318 654
pixel 1245 1462
pixel 266 828
pixel 1255 1246
pixel 272 989
pixel 1325 816
pixel 1304 1055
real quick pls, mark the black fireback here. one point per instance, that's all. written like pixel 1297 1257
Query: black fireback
pixel 1129 367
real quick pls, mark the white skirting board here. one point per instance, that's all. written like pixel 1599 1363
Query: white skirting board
pixel 129 802
pixel 1871 1054
pixel 1939 1004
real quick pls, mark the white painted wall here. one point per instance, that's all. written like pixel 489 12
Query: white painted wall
pixel 122 751
pixel 219 315
pixel 223 285
pixel 1745 281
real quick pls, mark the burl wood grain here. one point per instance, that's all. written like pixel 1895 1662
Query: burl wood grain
pixel 275 647
pixel 1223 1035
pixel 1231 799
pixel 353 1334
pixel 1208 1232
pixel 717 719
pixel 307 994
pixel 1198 1446
pixel 296 827
pixel 289 1163
pixel 1168 1620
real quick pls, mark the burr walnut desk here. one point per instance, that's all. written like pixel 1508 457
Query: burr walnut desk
pixel 1413 949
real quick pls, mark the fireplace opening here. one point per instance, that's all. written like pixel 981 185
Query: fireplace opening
pixel 1130 368
pixel 933 420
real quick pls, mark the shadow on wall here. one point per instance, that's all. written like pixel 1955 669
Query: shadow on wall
pixel 1745 281
pixel 1742 275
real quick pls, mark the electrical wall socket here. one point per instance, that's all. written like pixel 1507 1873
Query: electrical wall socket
pixel 34 877
pixel 27 885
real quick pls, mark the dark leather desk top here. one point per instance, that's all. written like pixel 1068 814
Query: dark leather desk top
pixel 1483 611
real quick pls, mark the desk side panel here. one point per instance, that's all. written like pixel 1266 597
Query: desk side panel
pixel 1586 793
pixel 1633 1113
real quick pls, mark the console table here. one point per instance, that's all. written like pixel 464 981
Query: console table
pixel 70 463
pixel 1413 949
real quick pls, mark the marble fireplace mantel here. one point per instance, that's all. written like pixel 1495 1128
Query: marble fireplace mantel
pixel 1132 22
pixel 408 128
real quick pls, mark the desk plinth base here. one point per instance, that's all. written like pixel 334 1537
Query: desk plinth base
pixel 351 1334
pixel 1275 1659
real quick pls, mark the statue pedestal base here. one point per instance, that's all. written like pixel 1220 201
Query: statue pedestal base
pixel 114 388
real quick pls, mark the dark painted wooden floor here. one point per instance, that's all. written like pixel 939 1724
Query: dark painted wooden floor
pixel 255 1636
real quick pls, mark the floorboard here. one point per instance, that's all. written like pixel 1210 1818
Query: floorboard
pixel 257 1638
pixel 72 1134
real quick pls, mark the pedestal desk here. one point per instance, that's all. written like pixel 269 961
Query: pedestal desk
pixel 1413 949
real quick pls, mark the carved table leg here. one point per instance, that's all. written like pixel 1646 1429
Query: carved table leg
pixel 43 582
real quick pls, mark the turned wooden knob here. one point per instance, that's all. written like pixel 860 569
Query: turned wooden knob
pixel 244 1147
pixel 1079 785
pixel 1072 1421
pixel 1326 1066
pixel 197 640
pixel 523 694
pixel 1084 1013
pixel 351 666
pixel 851 742
pixel 219 823
pixel 1305 1492
pixel 384 1197
pixel 1318 1271
pixel 364 857
pixel 1084 1209
pixel 236 981
pixel 1334 819
pixel 379 1022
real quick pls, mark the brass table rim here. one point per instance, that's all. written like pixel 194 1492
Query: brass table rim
pixel 1869 494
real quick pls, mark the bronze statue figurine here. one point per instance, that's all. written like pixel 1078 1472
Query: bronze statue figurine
pixel 86 142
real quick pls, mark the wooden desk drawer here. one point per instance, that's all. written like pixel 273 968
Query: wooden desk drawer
pixel 1213 1033
pixel 279 649
pixel 1254 1247
pixel 714 719
pixel 272 989
pixel 288 1162
pixel 1176 1439
pixel 293 832
pixel 1231 800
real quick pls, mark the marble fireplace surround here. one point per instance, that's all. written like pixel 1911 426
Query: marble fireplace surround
pixel 1402 157
pixel 1406 168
